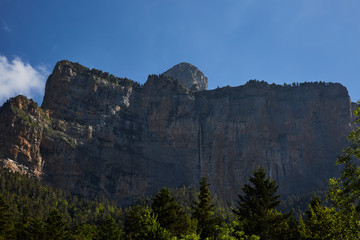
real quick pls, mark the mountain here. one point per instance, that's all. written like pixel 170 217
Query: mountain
pixel 189 75
pixel 96 134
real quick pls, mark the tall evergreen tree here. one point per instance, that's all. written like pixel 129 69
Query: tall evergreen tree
pixel 109 230
pixel 36 229
pixel 84 232
pixel 6 224
pixel 204 214
pixel 22 226
pixel 320 222
pixel 170 215
pixel 55 227
pixel 256 208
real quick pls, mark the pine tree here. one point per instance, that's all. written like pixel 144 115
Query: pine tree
pixel 109 230
pixel 170 215
pixel 204 214
pixel 256 208
pixel 141 223
pixel 55 227
pixel 22 226
pixel 84 232
pixel 320 222
pixel 6 225
pixel 36 229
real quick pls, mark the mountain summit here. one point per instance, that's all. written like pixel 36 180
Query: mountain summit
pixel 189 75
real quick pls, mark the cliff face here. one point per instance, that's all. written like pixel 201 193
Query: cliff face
pixel 100 135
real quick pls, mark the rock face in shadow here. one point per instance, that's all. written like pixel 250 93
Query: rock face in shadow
pixel 96 134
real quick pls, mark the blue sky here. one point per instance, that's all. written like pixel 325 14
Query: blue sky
pixel 231 41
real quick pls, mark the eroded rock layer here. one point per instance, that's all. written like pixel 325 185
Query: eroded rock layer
pixel 96 134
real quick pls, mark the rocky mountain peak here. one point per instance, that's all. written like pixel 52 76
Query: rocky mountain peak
pixel 189 75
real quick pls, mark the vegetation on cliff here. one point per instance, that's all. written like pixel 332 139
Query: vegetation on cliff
pixel 31 210
pixel 116 80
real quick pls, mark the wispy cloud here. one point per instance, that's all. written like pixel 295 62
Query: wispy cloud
pixel 5 26
pixel 18 77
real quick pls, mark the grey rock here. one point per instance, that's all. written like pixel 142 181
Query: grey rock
pixel 189 75
pixel 93 136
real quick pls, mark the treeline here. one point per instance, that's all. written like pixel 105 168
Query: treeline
pixel 294 84
pixel 30 210
pixel 21 193
pixel 116 80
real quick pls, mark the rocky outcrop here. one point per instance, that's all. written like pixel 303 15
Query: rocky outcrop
pixel 96 134
pixel 189 75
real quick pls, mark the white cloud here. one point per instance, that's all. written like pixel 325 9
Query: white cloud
pixel 18 77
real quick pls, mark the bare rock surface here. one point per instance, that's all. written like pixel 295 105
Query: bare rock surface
pixel 96 134
pixel 189 75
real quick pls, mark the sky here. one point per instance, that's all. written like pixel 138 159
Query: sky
pixel 231 41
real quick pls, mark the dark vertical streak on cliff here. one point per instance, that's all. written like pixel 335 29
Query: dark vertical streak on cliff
pixel 199 151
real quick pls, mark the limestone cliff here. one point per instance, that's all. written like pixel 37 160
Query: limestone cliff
pixel 96 134
pixel 189 75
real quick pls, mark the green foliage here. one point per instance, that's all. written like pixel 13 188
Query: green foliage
pixel 22 225
pixel 298 204
pixel 116 80
pixel 141 223
pixel 232 232
pixel 344 192
pixel 32 210
pixel 170 215
pixel 84 232
pixel 186 196
pixel 256 209
pixel 6 223
pixel 204 214
pixel 255 82
pixel 36 229
pixel 20 192
pixel 319 223
pixel 109 230
pixel 55 227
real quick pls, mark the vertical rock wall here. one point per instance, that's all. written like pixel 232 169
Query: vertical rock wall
pixel 100 136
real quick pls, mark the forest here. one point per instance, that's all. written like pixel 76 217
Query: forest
pixel 30 209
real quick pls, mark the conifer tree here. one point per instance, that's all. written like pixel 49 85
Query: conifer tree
pixel 320 222
pixel 36 229
pixel 6 226
pixel 256 208
pixel 22 226
pixel 141 223
pixel 84 232
pixel 170 215
pixel 55 227
pixel 204 214
pixel 109 230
